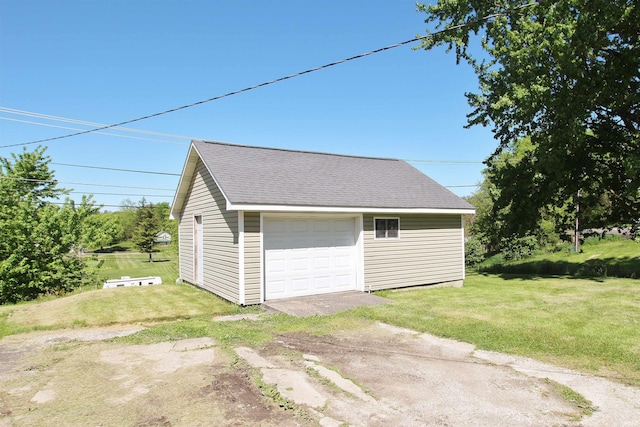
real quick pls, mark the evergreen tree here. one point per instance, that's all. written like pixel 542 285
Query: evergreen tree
pixel 147 226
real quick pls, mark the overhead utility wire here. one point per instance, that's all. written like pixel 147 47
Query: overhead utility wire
pixel 444 162
pixel 97 132
pixel 448 162
pixel 69 120
pixel 115 169
pixel 119 194
pixel 15 111
pixel 54 181
pixel 270 82
pixel 144 188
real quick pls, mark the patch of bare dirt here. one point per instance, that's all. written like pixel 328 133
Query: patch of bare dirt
pixel 48 379
pixel 374 376
pixel 422 380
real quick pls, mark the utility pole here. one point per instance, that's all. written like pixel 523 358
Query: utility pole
pixel 577 230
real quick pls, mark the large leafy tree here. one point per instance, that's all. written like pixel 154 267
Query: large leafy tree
pixel 493 224
pixel 566 74
pixel 38 235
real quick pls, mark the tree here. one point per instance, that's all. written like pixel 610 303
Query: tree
pixel 147 226
pixel 100 230
pixel 566 75
pixel 162 210
pixel 127 218
pixel 37 235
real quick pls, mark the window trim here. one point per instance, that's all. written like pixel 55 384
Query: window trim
pixel 375 230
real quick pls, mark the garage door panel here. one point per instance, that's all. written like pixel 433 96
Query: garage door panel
pixel 309 256
pixel 300 264
pixel 343 261
pixel 322 283
pixel 321 262
pixel 277 287
pixel 300 285
pixel 344 281
pixel 276 266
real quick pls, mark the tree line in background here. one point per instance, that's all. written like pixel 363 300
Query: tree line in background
pixel 43 240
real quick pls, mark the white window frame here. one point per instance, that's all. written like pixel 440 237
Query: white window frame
pixel 375 230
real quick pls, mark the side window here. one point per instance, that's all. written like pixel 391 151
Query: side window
pixel 386 228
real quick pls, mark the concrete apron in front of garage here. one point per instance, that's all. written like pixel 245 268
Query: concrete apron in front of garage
pixel 324 304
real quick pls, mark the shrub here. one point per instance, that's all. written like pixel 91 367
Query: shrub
pixel 516 248
pixel 474 252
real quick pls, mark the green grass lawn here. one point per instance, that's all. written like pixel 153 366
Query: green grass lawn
pixel 125 262
pixel 608 258
pixel 591 325
pixel 114 306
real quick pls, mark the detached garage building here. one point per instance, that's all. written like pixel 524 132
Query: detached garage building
pixel 258 224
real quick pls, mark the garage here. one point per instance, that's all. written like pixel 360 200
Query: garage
pixel 309 256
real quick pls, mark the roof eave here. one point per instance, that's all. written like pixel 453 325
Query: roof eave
pixel 346 209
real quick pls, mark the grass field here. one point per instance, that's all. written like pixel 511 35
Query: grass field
pixel 592 325
pixel 114 306
pixel 589 325
pixel 608 258
pixel 123 261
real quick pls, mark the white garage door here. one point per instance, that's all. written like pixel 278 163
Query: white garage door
pixel 308 256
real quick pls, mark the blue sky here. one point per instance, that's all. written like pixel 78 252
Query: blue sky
pixel 111 61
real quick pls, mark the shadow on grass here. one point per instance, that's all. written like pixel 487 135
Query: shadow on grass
pixel 111 249
pixel 625 267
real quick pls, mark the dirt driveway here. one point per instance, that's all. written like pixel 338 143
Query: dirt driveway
pixel 376 376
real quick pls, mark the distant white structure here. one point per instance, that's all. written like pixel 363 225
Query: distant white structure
pixel 132 281
pixel 163 237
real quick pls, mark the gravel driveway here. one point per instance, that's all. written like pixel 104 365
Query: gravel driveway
pixel 376 376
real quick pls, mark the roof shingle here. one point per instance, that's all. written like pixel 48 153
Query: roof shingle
pixel 268 176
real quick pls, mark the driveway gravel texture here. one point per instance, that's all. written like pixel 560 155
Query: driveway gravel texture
pixel 374 376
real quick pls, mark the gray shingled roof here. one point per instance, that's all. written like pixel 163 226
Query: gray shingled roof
pixel 267 176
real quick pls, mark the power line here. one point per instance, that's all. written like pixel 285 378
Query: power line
pixel 267 83
pixel 115 169
pixel 119 194
pixel 443 162
pixel 97 132
pixel 84 183
pixel 86 123
pixel 70 120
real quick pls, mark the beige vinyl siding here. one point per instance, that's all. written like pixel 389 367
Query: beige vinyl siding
pixel 185 245
pixel 220 237
pixel 252 257
pixel 428 251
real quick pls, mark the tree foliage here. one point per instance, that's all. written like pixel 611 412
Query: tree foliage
pixel 37 236
pixel 566 75
pixel 147 226
pixel 126 217
pixel 100 230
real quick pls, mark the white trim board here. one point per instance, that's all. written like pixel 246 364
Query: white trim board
pixel 337 209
